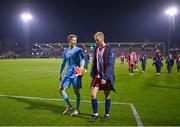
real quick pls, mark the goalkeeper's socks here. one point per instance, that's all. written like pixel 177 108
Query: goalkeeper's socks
pixel 78 99
pixel 68 102
pixel 65 97
pixel 94 106
pixel 107 106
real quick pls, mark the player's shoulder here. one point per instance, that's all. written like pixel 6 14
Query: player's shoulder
pixel 108 48
pixel 109 51
pixel 78 48
pixel 65 50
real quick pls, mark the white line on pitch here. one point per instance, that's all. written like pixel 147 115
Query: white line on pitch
pixel 51 70
pixel 133 109
pixel 46 70
pixel 137 117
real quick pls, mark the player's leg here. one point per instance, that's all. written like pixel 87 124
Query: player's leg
pixel 143 67
pixel 77 85
pixel 107 105
pixel 131 69
pixel 170 69
pixel 63 85
pixel 178 68
pixel 159 69
pixel 94 103
pixel 85 66
pixel 64 95
pixel 78 99
pixel 94 91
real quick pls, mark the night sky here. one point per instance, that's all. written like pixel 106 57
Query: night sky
pixel 120 20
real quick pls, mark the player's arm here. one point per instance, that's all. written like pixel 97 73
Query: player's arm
pixel 82 60
pixel 93 67
pixel 62 66
pixel 88 57
pixel 153 62
pixel 79 70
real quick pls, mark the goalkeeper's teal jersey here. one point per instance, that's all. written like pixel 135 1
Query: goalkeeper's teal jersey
pixel 72 57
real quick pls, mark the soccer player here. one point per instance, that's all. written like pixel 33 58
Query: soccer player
pixel 74 59
pixel 143 60
pixel 102 74
pixel 170 63
pixel 131 62
pixel 136 61
pixel 178 62
pixel 122 58
pixel 157 61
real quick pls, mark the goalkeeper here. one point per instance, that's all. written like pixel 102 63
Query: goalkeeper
pixel 74 58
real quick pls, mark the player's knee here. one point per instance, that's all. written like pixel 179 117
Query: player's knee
pixel 61 90
pixel 107 94
pixel 76 92
pixel 107 97
pixel 93 96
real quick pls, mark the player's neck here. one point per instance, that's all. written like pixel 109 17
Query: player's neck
pixel 72 46
pixel 102 45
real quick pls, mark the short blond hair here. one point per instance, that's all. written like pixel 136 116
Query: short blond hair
pixel 71 36
pixel 99 34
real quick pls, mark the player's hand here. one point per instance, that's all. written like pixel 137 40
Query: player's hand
pixel 60 78
pixel 103 81
pixel 78 71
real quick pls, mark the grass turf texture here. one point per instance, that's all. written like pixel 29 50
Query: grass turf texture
pixel 155 98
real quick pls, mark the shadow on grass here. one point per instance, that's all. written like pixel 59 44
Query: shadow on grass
pixel 166 87
pixel 40 105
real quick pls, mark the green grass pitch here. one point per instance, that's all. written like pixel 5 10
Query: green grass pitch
pixel 156 99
